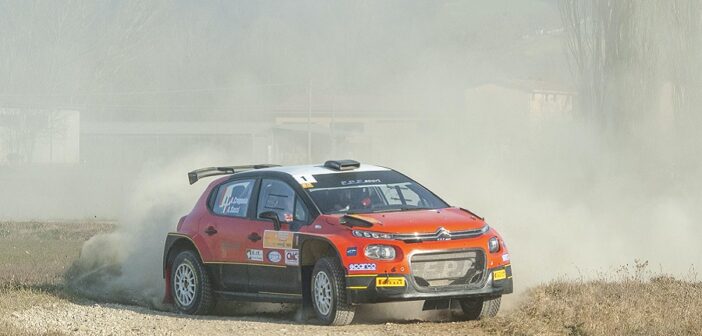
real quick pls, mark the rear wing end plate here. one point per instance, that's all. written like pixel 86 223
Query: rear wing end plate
pixel 198 174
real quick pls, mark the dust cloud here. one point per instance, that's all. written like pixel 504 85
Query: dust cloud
pixel 119 266
pixel 494 117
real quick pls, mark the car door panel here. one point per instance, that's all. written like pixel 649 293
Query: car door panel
pixel 223 228
pixel 277 274
pixel 280 272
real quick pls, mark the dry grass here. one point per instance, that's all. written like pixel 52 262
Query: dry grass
pixel 630 302
pixel 39 253
pixel 33 258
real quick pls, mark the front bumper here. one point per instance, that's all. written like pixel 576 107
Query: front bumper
pixel 362 288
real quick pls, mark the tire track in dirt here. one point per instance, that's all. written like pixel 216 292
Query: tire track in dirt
pixel 115 319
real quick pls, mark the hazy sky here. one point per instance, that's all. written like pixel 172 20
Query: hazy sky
pixel 155 60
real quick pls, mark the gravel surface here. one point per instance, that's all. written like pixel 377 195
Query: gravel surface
pixel 113 319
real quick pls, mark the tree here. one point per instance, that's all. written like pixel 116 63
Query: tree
pixel 623 51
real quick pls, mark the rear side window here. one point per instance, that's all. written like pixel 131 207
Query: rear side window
pixel 233 198
pixel 279 197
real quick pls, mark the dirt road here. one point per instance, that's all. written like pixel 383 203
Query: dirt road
pixel 113 319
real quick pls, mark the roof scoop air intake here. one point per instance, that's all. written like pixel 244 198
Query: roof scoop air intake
pixel 342 164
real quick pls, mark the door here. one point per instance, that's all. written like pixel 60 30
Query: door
pixel 223 230
pixel 279 271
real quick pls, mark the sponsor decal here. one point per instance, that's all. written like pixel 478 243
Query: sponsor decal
pixel 351 251
pixel 352 182
pixel 442 269
pixel 274 256
pixel 255 255
pixel 277 239
pixel 499 275
pixel 292 257
pixel 505 257
pixel 362 267
pixel 306 181
pixel 390 282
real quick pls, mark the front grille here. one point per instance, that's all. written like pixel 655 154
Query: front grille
pixel 440 234
pixel 448 268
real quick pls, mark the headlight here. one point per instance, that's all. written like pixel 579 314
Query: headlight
pixel 370 234
pixel 381 252
pixel 493 245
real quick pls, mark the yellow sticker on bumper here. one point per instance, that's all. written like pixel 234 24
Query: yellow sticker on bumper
pixel 499 275
pixel 390 282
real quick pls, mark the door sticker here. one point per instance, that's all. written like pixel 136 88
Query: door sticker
pixel 292 257
pixel 278 239
pixel 254 255
pixel 274 256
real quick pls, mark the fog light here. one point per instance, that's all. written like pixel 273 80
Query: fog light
pixel 493 245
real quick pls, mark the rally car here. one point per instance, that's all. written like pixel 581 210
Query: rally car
pixel 331 237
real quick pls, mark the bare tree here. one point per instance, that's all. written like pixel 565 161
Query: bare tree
pixel 20 129
pixel 623 51
pixel 61 54
pixel 612 57
pixel 685 56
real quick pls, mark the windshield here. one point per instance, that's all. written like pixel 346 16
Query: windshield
pixel 367 192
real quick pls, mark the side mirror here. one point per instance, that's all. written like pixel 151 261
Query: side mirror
pixel 273 216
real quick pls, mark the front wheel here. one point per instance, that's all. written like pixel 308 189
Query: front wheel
pixel 190 285
pixel 329 293
pixel 478 308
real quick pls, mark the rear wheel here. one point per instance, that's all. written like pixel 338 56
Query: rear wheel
pixel 190 285
pixel 329 293
pixel 478 308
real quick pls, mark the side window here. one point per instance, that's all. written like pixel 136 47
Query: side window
pixel 300 210
pixel 233 198
pixel 279 197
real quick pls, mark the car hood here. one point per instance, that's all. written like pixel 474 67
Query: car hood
pixel 420 221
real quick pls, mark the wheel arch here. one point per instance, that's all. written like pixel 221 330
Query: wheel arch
pixel 311 250
pixel 314 247
pixel 176 243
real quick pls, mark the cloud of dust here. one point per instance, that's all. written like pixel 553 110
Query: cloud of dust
pixel 122 265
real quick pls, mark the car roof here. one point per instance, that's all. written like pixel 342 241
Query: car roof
pixel 307 170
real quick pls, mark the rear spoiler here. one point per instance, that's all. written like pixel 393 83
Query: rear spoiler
pixel 198 174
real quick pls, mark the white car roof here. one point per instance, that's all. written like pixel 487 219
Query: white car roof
pixel 308 170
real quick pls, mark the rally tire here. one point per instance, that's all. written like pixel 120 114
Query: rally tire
pixel 479 308
pixel 328 289
pixel 191 288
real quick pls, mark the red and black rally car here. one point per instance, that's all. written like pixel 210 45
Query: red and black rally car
pixel 331 236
